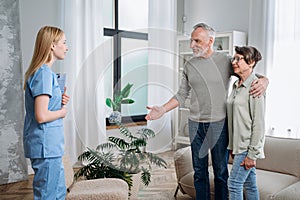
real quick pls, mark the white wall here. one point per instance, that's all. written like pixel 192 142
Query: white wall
pixel 35 14
pixel 259 34
pixel 222 15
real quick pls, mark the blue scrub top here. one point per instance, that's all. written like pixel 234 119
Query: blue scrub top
pixel 43 140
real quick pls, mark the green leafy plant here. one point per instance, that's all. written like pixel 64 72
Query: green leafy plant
pixel 120 157
pixel 131 152
pixel 120 98
pixel 100 165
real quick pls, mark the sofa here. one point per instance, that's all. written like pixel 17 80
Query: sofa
pixel 278 175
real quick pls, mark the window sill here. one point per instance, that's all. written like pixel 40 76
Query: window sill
pixel 141 123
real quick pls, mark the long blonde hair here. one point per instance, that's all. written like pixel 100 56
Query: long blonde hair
pixel 46 36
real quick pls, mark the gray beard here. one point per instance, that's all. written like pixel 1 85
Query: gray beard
pixel 201 53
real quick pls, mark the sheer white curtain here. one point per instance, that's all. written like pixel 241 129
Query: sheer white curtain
pixel 283 97
pixel 261 31
pixel 162 26
pixel 84 65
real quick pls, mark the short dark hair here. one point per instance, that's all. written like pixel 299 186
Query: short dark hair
pixel 250 54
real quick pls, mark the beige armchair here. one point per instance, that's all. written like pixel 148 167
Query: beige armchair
pixel 104 189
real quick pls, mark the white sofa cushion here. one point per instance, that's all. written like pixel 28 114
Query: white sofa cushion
pixel 186 184
pixel 183 162
pixel 282 155
pixel 291 193
pixel 270 183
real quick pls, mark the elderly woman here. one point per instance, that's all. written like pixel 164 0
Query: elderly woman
pixel 246 126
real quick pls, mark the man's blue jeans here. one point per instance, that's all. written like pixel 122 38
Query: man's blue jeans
pixel 240 178
pixel 213 136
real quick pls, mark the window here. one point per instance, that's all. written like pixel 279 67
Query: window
pixel 125 26
pixel 283 98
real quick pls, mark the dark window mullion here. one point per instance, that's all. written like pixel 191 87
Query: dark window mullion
pixel 117 49
pixel 117 52
pixel 133 35
pixel 110 32
pixel 125 34
pixel 116 71
pixel 117 82
pixel 117 15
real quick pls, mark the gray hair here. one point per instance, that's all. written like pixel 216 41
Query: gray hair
pixel 210 30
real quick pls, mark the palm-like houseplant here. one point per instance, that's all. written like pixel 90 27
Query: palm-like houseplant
pixel 131 152
pixel 121 156
pixel 100 165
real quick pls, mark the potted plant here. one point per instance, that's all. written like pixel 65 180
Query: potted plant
pixel 119 98
pixel 132 156
pixel 121 157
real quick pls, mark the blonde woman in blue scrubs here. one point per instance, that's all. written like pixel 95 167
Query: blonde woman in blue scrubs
pixel 43 136
pixel 246 126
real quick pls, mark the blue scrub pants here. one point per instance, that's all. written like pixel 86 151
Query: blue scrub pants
pixel 49 179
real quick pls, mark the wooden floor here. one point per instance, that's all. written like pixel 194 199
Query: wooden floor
pixel 162 186
pixel 17 191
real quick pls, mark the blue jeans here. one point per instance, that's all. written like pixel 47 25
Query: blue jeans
pixel 49 179
pixel 213 136
pixel 239 178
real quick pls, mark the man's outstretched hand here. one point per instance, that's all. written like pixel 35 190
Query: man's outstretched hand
pixel 156 112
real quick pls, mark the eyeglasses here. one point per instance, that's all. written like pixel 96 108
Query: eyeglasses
pixel 237 59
